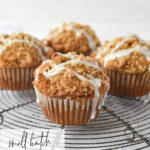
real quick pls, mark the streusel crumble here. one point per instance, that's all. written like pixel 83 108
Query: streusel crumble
pixel 70 77
pixel 127 60
pixel 72 37
pixel 125 54
pixel 20 50
pixel 20 54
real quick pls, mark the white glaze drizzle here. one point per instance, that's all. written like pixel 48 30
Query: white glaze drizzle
pixel 123 52
pixel 38 69
pixel 95 82
pixel 68 55
pixel 91 42
pixel 126 52
pixel 37 93
pixel 78 32
pixel 58 68
pixel 8 42
pixel 119 44
pixel 3 39
pixel 90 64
pixel 103 51
pixel 46 49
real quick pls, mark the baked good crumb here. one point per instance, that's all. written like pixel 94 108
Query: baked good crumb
pixel 71 37
pixel 125 54
pixel 20 50
pixel 70 76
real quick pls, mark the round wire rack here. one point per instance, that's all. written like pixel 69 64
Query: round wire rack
pixel 123 123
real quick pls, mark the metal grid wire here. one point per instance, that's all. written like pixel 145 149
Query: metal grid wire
pixel 123 123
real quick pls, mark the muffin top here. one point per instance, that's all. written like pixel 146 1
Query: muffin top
pixel 70 76
pixel 125 54
pixel 72 37
pixel 20 50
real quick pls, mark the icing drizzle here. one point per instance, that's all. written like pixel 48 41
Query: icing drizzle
pixel 123 52
pixel 95 82
pixel 9 42
pixel 78 32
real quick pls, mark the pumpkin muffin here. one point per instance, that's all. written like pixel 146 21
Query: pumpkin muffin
pixel 71 37
pixel 70 88
pixel 20 54
pixel 127 60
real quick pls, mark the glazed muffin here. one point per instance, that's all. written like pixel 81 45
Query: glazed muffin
pixel 70 89
pixel 71 37
pixel 20 54
pixel 127 60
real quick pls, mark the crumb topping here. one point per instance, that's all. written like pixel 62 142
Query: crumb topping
pixel 126 54
pixel 20 50
pixel 71 76
pixel 72 37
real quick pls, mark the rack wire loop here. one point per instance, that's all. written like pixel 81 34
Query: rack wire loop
pixel 1 119
pixel 132 136
pixel 122 123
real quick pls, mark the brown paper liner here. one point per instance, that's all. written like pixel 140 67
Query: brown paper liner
pixel 69 112
pixel 16 78
pixel 129 85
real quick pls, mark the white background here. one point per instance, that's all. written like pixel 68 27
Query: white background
pixel 109 18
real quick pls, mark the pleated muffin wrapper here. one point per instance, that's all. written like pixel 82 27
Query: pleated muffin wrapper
pixel 129 85
pixel 70 112
pixel 16 78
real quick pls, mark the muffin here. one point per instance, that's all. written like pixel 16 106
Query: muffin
pixel 70 89
pixel 71 37
pixel 127 60
pixel 20 54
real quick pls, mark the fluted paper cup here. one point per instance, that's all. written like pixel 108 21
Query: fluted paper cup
pixel 16 78
pixel 70 112
pixel 129 85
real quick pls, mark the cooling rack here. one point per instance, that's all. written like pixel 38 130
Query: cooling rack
pixel 123 123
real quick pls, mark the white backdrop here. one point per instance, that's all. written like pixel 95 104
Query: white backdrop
pixel 109 18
